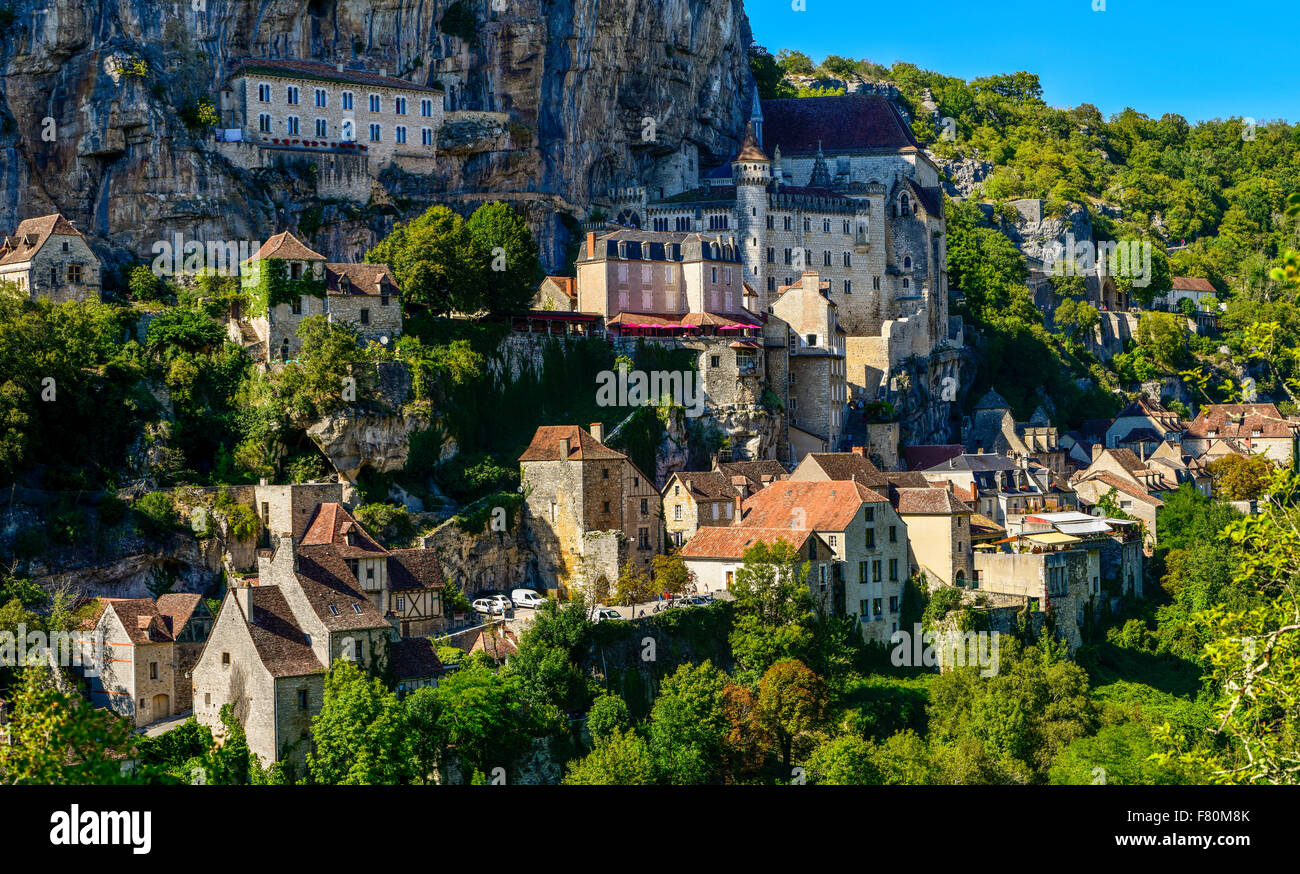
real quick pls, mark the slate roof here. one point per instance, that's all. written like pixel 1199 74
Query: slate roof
pixel 929 502
pixel 836 124
pixel 293 68
pixel 31 235
pixel 925 457
pixel 711 485
pixel 362 279
pixel 754 471
pixel 545 445
pixel 414 658
pixel 845 466
pixel 281 644
pixel 327 581
pixel 987 461
pixel 415 569
pixel 992 401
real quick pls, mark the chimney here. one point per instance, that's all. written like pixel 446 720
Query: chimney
pixel 860 450
pixel 598 431
pixel 1097 449
pixel 383 71
pixel 591 245
pixel 564 449
pixel 244 595
pixel 339 66
pixel 740 510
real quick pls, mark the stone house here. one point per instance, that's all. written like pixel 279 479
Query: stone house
pixel 1003 488
pixel 842 466
pixel 1192 288
pixel 715 553
pixel 150 648
pixel 992 428
pixel 332 596
pixel 590 510
pixel 1259 428
pixel 868 542
pixel 695 498
pixel 556 294
pixel 938 534
pixel 364 296
pixel 1142 426
pixel 757 473
pixel 816 391
pixel 289 109
pixel 1139 486
pixel 48 257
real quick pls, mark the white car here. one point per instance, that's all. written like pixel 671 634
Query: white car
pixel 693 601
pixel 604 614
pixel 527 598
pixel 501 604
pixel 485 606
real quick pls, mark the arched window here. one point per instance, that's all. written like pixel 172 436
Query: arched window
pixel 961 580
pixel 905 206
pixel 907 262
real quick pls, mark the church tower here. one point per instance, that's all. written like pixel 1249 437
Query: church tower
pixel 751 172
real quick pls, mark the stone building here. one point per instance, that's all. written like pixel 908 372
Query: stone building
pixel 364 296
pixel 48 257
pixel 1142 426
pixel 589 509
pixel 556 294
pixel 1004 488
pixel 151 647
pixel 1259 428
pixel 992 428
pixel 342 119
pixel 332 594
pixel 695 498
pixel 714 554
pixel 816 390
pixel 837 184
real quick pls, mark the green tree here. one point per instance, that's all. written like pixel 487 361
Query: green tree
pixel 144 285
pixel 360 732
pixel 608 714
pixel 846 760
pixel 773 607
pixel 792 705
pixel 507 248
pixel 1165 335
pixel 620 759
pixel 480 716
pixel 436 262
pixel 1240 477
pixel 688 725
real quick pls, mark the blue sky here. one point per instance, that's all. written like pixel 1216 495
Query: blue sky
pixel 1198 58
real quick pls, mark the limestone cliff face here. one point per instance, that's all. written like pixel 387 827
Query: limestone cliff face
pixel 82 132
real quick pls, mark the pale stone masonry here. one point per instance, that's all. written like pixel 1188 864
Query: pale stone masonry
pixel 364 296
pixel 48 257
pixel 589 509
pixel 149 650
pixel 292 107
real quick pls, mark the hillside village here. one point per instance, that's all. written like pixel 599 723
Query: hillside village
pixel 794 405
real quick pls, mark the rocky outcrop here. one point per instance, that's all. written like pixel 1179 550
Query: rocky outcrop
pixel 962 178
pixel 1034 231
pixel 379 442
pixel 93 92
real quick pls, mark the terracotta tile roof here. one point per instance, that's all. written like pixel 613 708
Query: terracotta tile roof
pixel 925 457
pixel 825 506
pixel 31 235
pixel 292 68
pixel 286 246
pixel 281 644
pixel 731 541
pixel 414 658
pixel 177 608
pixel 835 124
pixel 1124 486
pixel 415 569
pixel 1127 460
pixel 707 485
pixel 1241 420
pixel 845 466
pixel 567 284
pixel 928 501
pixel 582 446
pixel 500 643
pixel 983 526
pixel 327 582
pixel 333 525
pixel 1192 283
pixel 361 279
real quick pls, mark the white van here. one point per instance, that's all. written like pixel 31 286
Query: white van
pixel 526 598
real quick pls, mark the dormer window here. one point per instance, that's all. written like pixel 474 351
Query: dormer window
pixel 334 610
pixel 356 608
